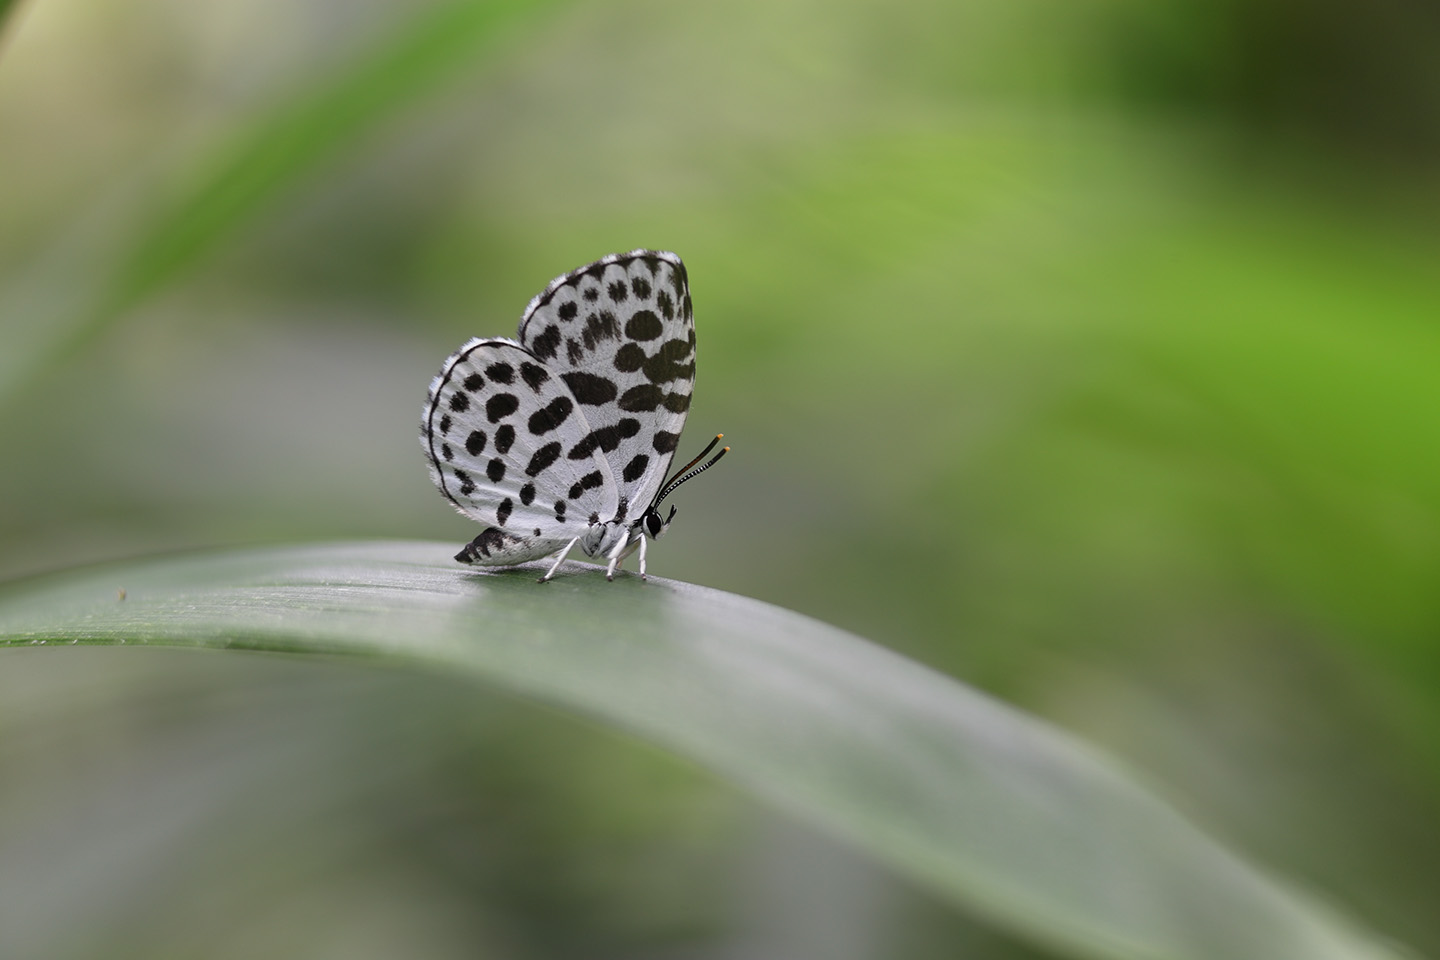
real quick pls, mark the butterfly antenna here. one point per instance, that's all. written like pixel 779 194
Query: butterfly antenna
pixel 685 473
pixel 708 448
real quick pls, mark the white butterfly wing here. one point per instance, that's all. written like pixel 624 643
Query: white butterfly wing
pixel 621 334
pixel 510 446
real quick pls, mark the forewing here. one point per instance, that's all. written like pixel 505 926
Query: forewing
pixel 506 440
pixel 621 333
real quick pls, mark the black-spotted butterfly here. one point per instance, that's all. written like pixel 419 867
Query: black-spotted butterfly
pixel 565 437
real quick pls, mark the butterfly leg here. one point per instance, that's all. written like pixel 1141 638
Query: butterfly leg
pixel 618 553
pixel 558 560
pixel 629 547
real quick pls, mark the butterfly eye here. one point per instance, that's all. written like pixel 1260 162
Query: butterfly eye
pixel 654 525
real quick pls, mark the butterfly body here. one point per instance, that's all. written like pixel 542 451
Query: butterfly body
pixel 563 437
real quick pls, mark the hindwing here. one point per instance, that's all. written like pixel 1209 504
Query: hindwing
pixel 510 445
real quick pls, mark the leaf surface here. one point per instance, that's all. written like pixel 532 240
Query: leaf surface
pixel 971 798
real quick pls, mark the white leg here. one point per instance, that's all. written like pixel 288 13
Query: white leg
pixel 643 538
pixel 617 557
pixel 559 560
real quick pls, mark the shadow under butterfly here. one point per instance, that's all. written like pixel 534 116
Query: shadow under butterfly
pixel 565 435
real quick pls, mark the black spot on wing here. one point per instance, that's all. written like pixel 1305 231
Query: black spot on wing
pixel 560 510
pixel 459 402
pixel 686 310
pixel 605 438
pixel 527 494
pixel 568 311
pixel 677 402
pixel 621 509
pixel 502 513
pixel 489 539
pixel 467 486
pixel 574 351
pixel 594 518
pixel 590 481
pixel 551 416
pixel 534 374
pixel 635 468
pixel 618 291
pixel 666 303
pixel 665 441
pixel 504 438
pixel 542 459
pixel 501 373
pixel 589 388
pixel 500 406
pixel 475 443
pixel 641 286
pixel 591 294
pixel 669 363
pixel 474 382
pixel 644 325
pixel 599 327
pixel 495 470
pixel 547 343
pixel 446 452
pixel 585 447
pixel 642 398
pixel 445 424
pixel 630 357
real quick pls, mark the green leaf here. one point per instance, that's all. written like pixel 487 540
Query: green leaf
pixel 969 797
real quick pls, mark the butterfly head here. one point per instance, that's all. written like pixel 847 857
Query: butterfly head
pixel 655 525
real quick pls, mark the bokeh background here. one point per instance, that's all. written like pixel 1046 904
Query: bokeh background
pixel 1088 352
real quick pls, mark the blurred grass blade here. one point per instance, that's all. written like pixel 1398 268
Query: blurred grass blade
pixel 8 13
pixel 302 136
pixel 957 791
pixel 251 172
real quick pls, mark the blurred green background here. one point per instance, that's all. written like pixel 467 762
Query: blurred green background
pixel 1087 352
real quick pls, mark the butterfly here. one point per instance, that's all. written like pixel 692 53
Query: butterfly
pixel 565 435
